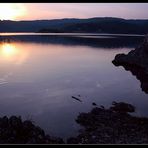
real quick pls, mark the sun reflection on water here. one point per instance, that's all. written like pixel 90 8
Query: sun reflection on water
pixel 12 52
pixel 8 49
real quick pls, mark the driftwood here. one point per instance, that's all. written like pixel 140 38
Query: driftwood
pixel 76 98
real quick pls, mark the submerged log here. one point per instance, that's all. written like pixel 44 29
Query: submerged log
pixel 76 99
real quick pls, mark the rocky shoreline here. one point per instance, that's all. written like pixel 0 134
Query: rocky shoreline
pixel 114 125
pixel 137 58
pixel 15 131
pixel 136 61
pixel 111 126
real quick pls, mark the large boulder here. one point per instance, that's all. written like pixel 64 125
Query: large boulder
pixel 136 61
pixel 14 131
pixel 122 107
pixel 136 58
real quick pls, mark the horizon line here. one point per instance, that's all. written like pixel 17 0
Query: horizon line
pixel 75 18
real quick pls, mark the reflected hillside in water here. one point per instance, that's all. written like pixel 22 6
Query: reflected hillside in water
pixel 97 41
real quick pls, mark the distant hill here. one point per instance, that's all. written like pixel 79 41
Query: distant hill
pixel 90 25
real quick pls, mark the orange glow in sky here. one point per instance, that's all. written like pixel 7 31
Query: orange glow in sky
pixel 9 11
pixel 46 11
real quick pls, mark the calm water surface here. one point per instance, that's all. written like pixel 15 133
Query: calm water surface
pixel 38 76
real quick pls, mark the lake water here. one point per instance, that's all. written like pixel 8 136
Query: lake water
pixel 39 75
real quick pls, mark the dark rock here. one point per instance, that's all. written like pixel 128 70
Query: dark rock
pixel 13 130
pixel 4 122
pixel 136 61
pixel 56 140
pixel 100 126
pixel 111 126
pixel 39 131
pixel 15 122
pixel 72 140
pixel 122 107
pixel 84 119
pixel 27 125
pixel 94 104
pixel 96 110
pixel 102 106
pixel 31 141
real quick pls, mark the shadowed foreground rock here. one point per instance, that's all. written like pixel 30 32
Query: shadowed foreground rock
pixel 111 126
pixel 14 131
pixel 100 126
pixel 137 58
pixel 136 61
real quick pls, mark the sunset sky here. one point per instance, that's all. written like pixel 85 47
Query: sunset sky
pixel 33 11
